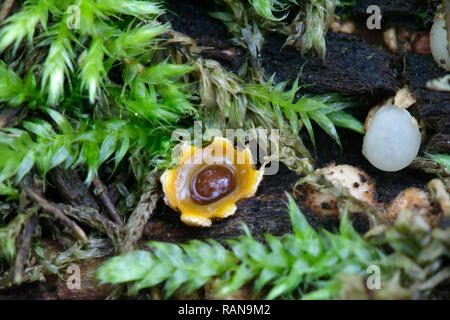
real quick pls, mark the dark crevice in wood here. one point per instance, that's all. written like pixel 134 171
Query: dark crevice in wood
pixel 24 246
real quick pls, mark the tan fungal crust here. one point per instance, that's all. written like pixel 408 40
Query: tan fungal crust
pixel 324 203
pixel 319 202
pixel 441 195
pixel 358 183
pixel 404 98
pixel 428 203
pixel 439 84
pixel 411 199
pixel 178 183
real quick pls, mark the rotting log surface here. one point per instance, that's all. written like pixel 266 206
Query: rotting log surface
pixel 351 66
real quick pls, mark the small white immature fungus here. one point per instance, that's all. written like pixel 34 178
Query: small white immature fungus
pixel 392 139
pixel 439 84
pixel 439 42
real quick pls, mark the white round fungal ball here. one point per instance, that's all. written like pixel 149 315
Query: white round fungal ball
pixel 439 42
pixel 392 141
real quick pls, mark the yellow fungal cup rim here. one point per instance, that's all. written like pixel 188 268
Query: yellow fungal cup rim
pixel 175 182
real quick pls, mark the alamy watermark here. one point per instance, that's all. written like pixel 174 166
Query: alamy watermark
pixel 373 281
pixel 263 145
pixel 374 20
pixel 74 17
pixel 73 281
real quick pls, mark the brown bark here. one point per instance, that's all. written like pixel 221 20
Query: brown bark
pixel 106 200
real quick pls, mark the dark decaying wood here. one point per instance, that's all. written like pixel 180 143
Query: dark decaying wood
pixel 351 66
pixel 433 106
pixel 192 18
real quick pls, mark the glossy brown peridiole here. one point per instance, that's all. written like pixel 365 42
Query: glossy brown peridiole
pixel 211 184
